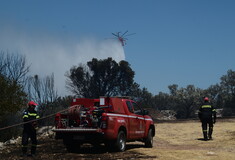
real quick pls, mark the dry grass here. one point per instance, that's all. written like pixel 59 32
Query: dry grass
pixel 178 140
pixel 182 141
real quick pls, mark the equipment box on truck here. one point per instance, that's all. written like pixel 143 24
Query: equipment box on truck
pixel 109 120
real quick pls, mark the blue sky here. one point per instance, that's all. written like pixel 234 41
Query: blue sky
pixel 176 42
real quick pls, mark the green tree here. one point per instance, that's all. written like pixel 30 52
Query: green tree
pixel 12 99
pixel 227 85
pixel 101 78
pixel 214 92
pixel 143 97
pixel 12 96
pixel 186 100
pixel 13 71
pixel 162 101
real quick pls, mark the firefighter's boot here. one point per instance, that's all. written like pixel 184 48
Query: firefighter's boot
pixel 33 150
pixel 210 133
pixel 205 135
pixel 24 151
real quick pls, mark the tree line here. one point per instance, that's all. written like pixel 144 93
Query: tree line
pixel 97 78
pixel 109 78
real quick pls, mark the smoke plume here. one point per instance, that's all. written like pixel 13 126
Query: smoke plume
pixel 54 54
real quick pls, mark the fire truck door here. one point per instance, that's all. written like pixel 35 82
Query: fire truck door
pixel 140 127
pixel 133 121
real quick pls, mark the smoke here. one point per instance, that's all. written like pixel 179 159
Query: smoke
pixel 49 54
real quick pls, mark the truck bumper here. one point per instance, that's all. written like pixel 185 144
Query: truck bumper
pixel 80 134
pixel 80 130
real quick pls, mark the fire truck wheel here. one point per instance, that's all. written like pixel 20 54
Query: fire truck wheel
pixel 149 140
pixel 121 141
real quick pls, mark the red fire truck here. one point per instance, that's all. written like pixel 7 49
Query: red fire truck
pixel 109 120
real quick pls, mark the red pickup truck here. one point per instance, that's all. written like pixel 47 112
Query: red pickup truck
pixel 109 120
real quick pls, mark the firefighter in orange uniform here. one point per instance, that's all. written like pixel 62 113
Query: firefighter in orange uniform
pixel 207 115
pixel 29 131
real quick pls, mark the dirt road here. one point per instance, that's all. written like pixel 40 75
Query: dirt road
pixel 180 140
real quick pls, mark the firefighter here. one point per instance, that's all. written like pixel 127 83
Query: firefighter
pixel 29 131
pixel 207 116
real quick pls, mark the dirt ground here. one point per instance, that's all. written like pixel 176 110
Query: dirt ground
pixel 174 140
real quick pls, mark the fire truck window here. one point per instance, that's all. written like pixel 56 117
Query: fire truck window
pixel 128 103
pixel 137 109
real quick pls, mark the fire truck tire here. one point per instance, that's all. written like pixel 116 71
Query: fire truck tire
pixel 120 143
pixel 149 140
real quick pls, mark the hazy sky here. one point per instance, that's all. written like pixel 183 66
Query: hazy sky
pixel 176 42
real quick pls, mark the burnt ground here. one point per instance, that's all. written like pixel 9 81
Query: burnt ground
pixel 50 149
